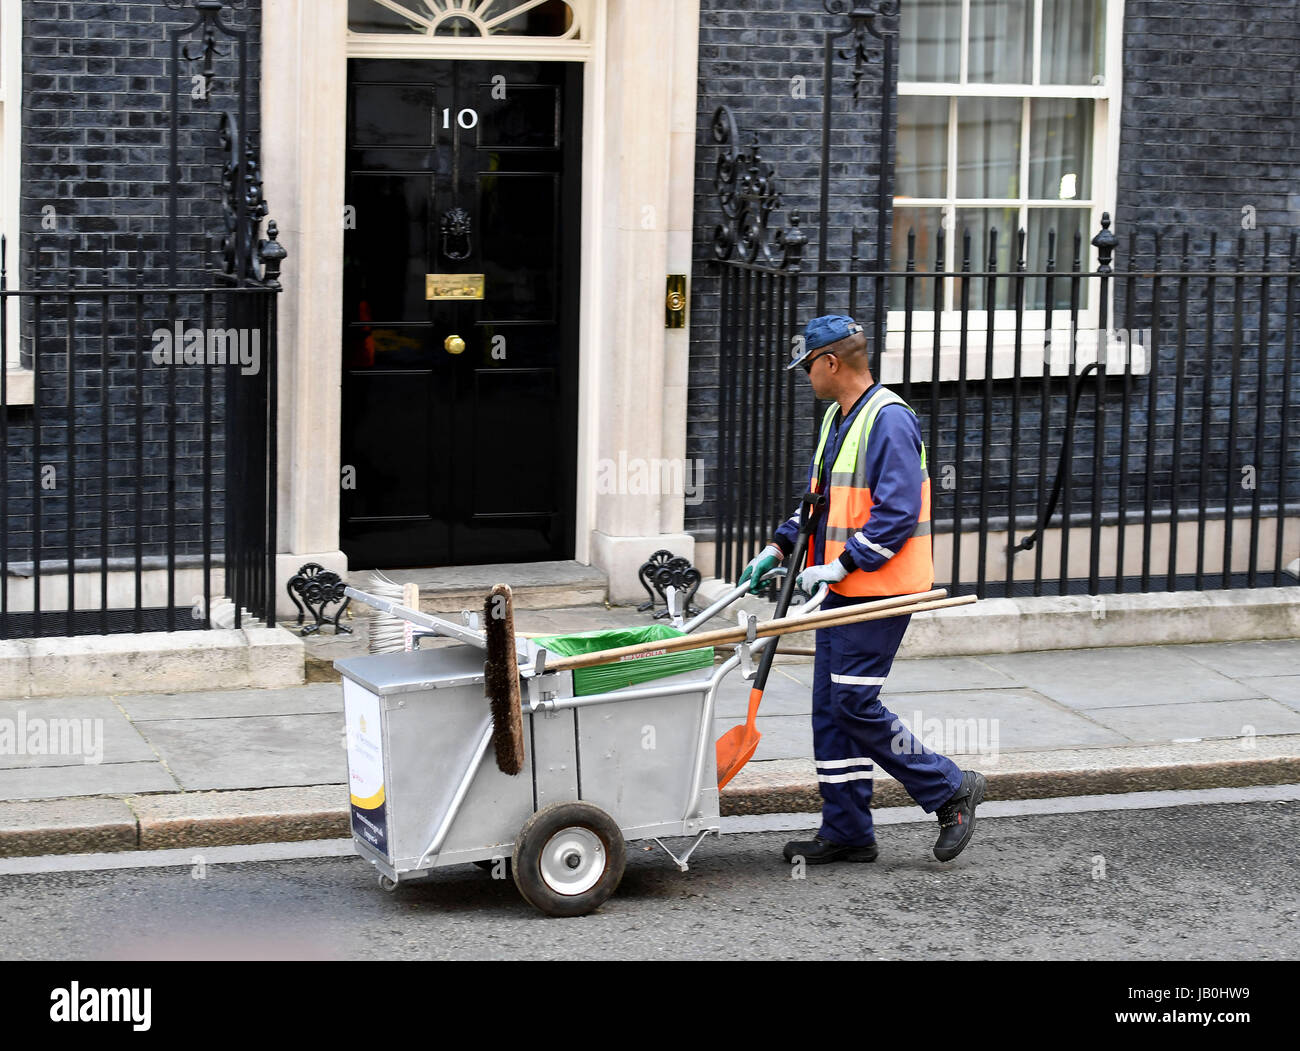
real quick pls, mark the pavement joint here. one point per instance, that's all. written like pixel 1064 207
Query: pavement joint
pixel 162 759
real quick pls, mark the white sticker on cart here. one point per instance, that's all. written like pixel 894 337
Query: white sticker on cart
pixel 366 766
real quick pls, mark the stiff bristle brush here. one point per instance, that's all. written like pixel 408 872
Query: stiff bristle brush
pixel 389 634
pixel 501 670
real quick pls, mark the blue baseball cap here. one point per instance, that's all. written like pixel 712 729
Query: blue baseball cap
pixel 822 332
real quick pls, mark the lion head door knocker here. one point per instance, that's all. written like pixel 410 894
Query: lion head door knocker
pixel 457 243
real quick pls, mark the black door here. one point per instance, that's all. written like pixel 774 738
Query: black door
pixel 460 334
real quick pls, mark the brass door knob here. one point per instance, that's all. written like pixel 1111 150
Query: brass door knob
pixel 454 345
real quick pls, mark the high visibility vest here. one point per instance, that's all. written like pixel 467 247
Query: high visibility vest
pixel 911 568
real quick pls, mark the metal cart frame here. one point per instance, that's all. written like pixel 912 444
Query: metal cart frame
pixel 633 797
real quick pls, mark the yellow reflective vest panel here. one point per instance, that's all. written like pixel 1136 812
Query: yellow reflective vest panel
pixel 911 569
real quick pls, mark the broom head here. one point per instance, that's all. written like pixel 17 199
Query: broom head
pixel 501 672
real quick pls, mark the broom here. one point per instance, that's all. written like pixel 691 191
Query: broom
pixel 389 634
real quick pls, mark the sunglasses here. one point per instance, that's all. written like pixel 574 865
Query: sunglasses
pixel 807 363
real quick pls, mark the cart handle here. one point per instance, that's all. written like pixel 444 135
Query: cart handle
pixel 725 601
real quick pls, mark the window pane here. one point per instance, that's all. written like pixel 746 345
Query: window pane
pixel 1066 222
pixel 1060 149
pixel 925 222
pixel 922 166
pixel 366 16
pixel 980 224
pixel 929 46
pixel 1000 42
pixel 553 18
pixel 1074 41
pixel 988 147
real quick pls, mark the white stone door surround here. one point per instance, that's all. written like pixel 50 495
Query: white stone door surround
pixel 637 211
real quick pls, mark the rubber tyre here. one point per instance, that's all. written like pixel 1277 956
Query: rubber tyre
pixel 538 832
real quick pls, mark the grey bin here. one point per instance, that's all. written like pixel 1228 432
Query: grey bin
pixel 415 730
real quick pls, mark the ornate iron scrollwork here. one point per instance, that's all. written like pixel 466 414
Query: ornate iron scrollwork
pixel 865 16
pixel 457 234
pixel 747 192
pixel 206 50
pixel 240 178
pixel 245 257
pixel 663 570
pixel 317 587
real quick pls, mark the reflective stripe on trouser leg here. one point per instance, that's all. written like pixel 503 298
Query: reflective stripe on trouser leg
pixel 843 772
pixel 866 652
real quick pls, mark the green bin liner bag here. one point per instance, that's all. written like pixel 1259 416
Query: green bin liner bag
pixel 630 671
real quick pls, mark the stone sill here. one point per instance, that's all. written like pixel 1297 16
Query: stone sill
pixel 20 388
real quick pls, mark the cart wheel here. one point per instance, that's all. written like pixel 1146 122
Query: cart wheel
pixel 569 859
pixel 387 884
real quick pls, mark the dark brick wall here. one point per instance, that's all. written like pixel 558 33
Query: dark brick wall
pixel 1208 126
pixel 1209 115
pixel 751 51
pixel 96 134
pixel 1210 159
pixel 95 178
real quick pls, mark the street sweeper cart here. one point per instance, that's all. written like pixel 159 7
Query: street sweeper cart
pixel 602 745
pixel 482 747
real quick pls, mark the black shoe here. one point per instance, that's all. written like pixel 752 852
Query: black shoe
pixel 957 816
pixel 818 851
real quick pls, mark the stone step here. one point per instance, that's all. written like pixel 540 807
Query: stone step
pixel 536 585
pixel 550 597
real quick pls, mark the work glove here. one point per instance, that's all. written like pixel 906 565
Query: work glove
pixel 766 561
pixel 814 576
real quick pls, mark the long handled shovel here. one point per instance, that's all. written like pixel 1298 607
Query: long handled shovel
pixel 736 747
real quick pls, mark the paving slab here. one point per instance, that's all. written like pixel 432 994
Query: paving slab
pixel 1282 688
pixel 987 722
pixel 1118 677
pixel 312 699
pixel 947 673
pixel 1239 659
pixel 1200 719
pixel 67 732
pixel 782 696
pixel 784 736
pixel 109 779
pixel 917 675
pixel 66 826
pixel 252 752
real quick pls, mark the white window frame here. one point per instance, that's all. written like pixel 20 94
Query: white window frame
pixel 19 387
pixel 1123 352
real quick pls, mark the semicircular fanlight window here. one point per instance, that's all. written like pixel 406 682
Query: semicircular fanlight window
pixel 465 18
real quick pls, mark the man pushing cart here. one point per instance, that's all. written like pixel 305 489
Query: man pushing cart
pixel 871 542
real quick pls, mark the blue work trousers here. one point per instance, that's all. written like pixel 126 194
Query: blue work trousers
pixel 852 730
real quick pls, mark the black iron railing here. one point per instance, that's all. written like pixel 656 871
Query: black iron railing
pixel 138 473
pixel 137 484
pixel 1067 453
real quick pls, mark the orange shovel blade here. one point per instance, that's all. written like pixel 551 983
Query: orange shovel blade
pixel 736 747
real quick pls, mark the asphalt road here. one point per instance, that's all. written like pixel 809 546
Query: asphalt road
pixel 1191 882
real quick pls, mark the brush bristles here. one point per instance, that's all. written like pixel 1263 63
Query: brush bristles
pixel 501 680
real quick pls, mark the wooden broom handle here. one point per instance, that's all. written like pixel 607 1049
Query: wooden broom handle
pixel 726 636
pixel 826 618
